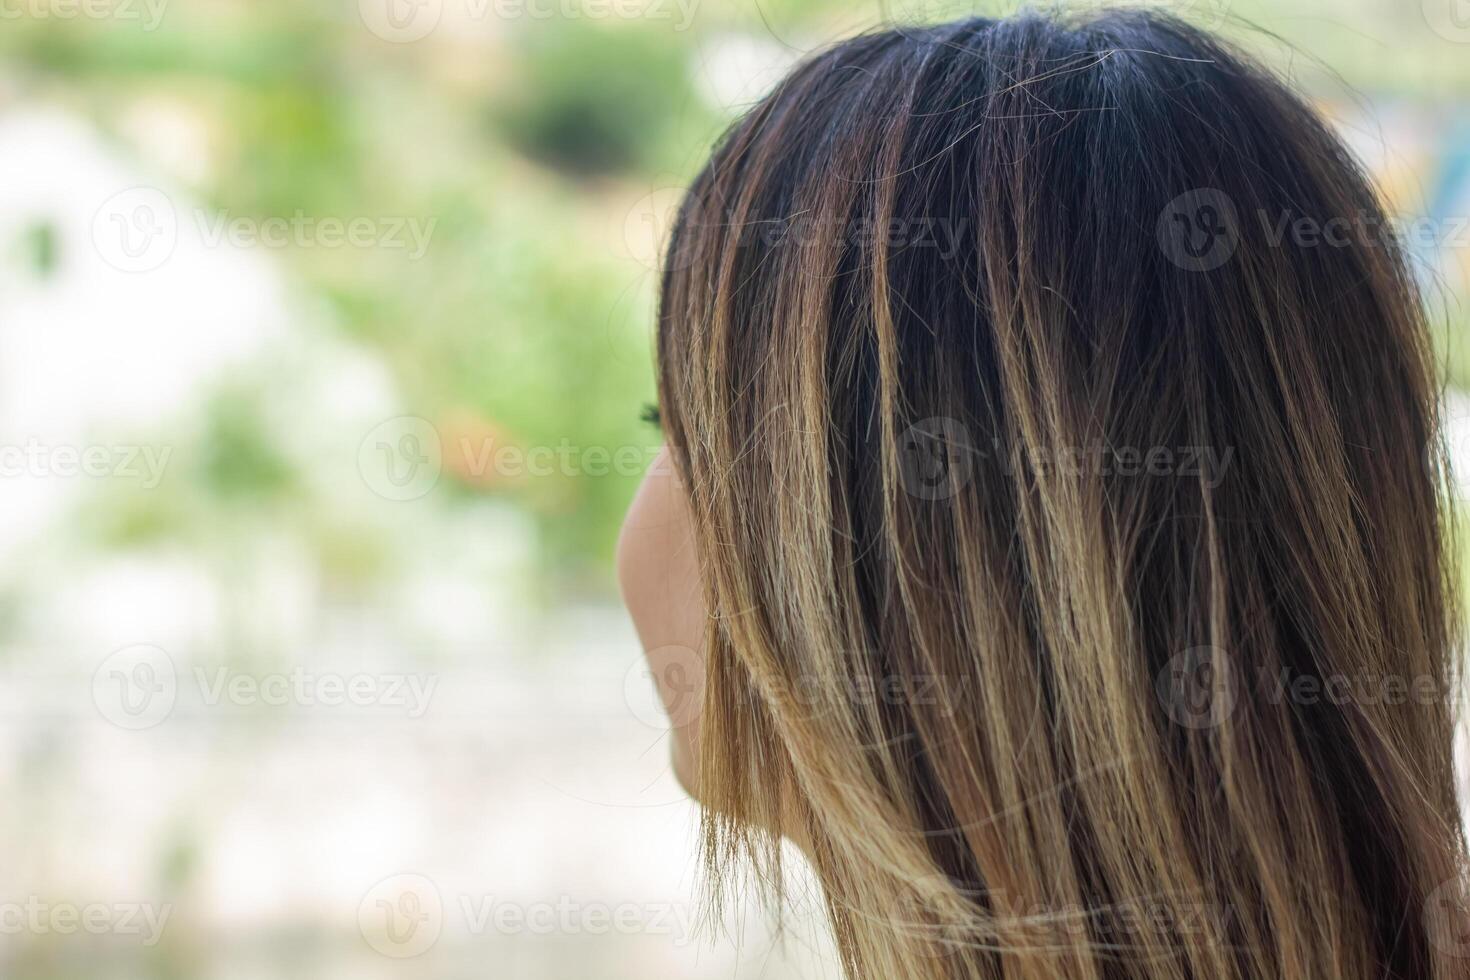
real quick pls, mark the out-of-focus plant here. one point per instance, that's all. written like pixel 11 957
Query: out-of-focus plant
pixel 593 101
pixel 519 324
pixel 522 324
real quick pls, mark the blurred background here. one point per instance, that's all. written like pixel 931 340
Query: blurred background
pixel 324 333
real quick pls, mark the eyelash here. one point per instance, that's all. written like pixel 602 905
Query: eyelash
pixel 650 414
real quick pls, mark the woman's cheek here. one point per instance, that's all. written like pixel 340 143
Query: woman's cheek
pixel 658 572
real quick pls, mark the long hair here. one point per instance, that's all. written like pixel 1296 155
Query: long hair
pixel 1059 425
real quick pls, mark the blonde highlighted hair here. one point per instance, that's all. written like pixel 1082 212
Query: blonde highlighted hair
pixel 1063 514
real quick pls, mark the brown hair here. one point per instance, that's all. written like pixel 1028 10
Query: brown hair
pixel 1069 517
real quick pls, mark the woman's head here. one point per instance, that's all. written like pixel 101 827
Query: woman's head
pixel 1056 489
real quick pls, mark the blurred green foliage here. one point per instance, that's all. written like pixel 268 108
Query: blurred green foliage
pixel 593 102
pixel 526 149
pixel 39 246
pixel 522 313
